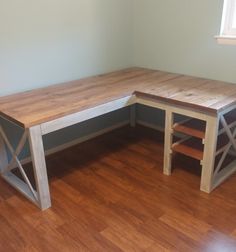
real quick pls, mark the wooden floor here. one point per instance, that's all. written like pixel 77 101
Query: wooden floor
pixel 109 194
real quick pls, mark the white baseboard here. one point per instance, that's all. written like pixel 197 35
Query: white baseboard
pixel 86 138
pixel 93 135
pixel 79 140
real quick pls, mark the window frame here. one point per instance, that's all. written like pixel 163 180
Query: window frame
pixel 227 18
pixel 227 31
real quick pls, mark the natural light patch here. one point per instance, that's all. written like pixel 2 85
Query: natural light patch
pixel 228 24
pixel 234 16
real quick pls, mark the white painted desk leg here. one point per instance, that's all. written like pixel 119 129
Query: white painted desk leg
pixel 3 155
pixel 39 166
pixel 133 115
pixel 208 162
pixel 168 142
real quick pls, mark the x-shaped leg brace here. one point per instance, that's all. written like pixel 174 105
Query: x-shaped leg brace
pixel 232 143
pixel 25 186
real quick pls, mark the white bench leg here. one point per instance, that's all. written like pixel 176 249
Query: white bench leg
pixel 39 166
pixel 208 162
pixel 168 142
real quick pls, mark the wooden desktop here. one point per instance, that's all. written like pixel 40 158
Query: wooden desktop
pixel 207 132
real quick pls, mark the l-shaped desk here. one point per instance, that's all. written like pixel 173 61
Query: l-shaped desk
pixel 208 104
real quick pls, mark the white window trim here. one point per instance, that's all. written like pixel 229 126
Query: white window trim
pixel 227 32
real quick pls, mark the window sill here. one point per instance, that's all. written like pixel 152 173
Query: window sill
pixel 226 40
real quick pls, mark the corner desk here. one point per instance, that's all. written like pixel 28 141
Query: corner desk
pixel 208 129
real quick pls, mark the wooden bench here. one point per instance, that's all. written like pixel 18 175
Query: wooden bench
pixel 46 110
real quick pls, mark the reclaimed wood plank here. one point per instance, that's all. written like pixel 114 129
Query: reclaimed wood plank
pixel 45 104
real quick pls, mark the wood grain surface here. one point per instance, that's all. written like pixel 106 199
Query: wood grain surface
pixel 45 104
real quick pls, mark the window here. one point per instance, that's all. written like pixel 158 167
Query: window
pixel 228 23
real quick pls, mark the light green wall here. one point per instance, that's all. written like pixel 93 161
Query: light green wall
pixel 178 36
pixel 51 41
